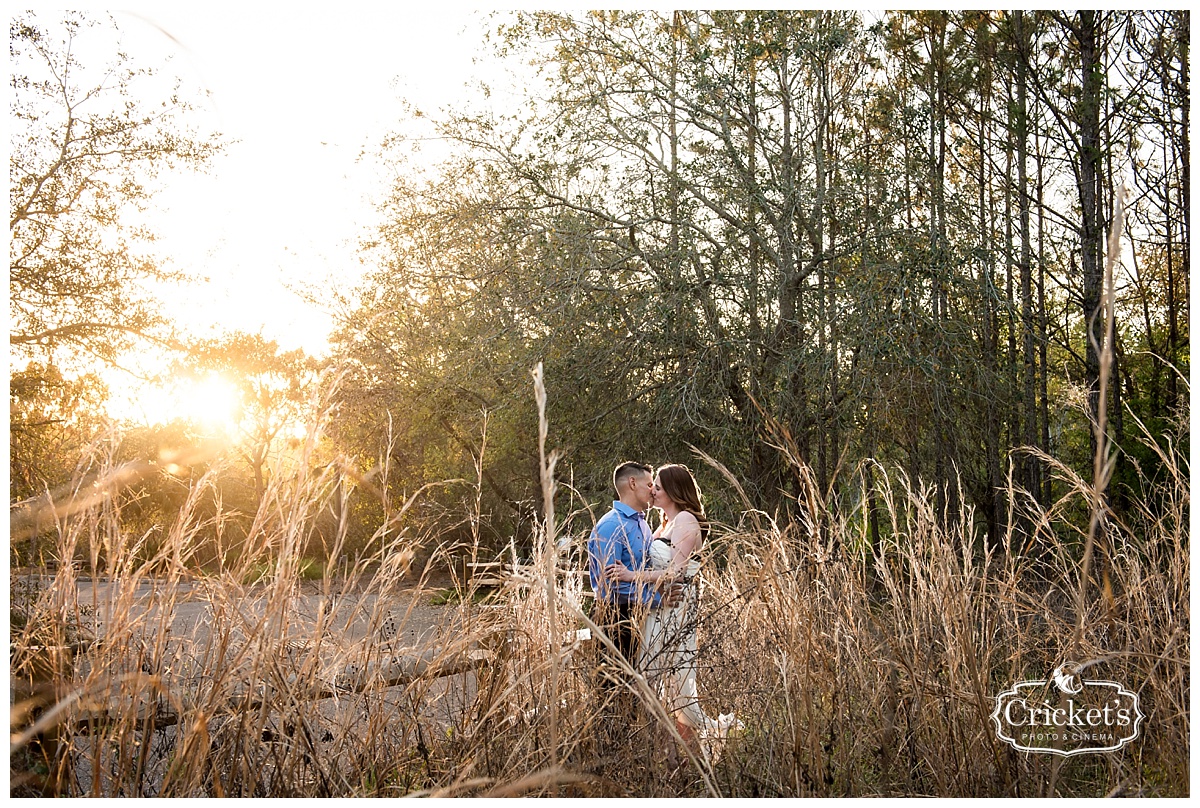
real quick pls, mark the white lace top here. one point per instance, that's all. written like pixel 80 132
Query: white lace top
pixel 660 558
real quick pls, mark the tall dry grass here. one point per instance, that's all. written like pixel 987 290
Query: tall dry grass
pixel 856 669
pixel 878 672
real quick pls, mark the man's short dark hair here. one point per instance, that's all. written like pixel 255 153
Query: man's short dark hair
pixel 628 469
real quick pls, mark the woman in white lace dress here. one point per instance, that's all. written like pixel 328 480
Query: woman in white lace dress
pixel 668 648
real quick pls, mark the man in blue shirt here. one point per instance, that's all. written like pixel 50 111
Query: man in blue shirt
pixel 623 535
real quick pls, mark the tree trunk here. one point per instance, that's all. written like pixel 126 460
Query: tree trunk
pixel 1029 416
pixel 987 296
pixel 1045 495
pixel 1091 230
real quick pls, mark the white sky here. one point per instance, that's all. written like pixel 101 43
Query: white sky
pixel 304 96
pixel 303 93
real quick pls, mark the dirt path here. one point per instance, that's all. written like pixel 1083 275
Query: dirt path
pixel 408 620
pixel 176 634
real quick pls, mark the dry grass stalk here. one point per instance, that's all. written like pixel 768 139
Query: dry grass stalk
pixel 865 671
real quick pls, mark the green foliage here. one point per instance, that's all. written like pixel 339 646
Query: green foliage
pixel 729 230
pixel 311 569
pixel 50 417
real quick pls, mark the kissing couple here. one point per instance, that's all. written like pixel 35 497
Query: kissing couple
pixel 647 592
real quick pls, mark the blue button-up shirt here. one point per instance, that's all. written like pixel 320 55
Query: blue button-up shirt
pixel 621 535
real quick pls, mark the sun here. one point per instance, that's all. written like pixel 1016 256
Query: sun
pixel 211 402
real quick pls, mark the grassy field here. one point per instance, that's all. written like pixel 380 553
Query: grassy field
pixel 856 670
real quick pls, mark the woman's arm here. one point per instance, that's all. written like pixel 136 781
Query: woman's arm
pixel 685 539
pixel 619 572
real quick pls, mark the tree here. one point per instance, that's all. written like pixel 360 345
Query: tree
pixel 740 230
pixel 719 139
pixel 50 416
pixel 273 389
pixel 86 148
pixel 1160 211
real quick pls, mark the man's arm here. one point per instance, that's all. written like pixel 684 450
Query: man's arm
pixel 643 591
pixel 607 545
pixel 600 554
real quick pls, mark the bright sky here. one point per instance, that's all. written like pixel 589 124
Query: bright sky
pixel 303 93
pixel 306 95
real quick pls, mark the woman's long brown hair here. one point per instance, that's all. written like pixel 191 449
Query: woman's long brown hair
pixel 678 483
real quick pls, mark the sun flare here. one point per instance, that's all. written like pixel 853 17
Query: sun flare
pixel 211 402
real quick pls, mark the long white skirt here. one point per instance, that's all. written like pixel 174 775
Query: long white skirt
pixel 668 660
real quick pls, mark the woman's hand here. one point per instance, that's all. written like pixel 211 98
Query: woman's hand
pixel 672 594
pixel 617 571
